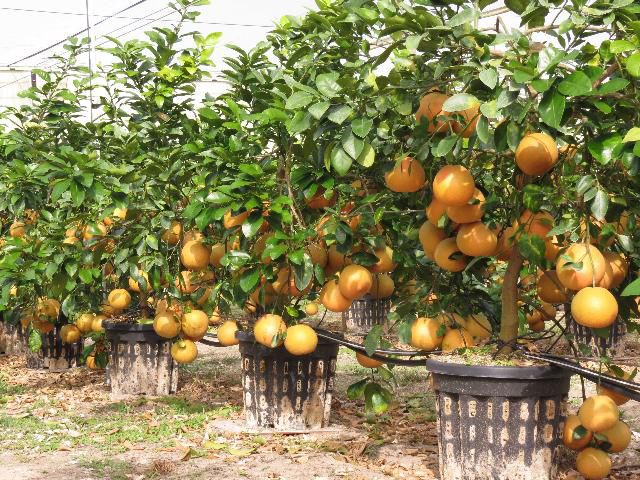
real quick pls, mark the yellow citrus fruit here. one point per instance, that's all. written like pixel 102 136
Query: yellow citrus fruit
pixel 618 398
pixel 593 463
pixel 456 338
pixel 383 286
pixel 166 325
pixel 469 213
pixel 195 323
pixel 70 333
pixel 580 266
pixel 84 322
pixel 172 234
pixel 332 299
pixel 549 288
pixel 454 186
pixel 435 211
pixel 476 240
pixel 448 256
pixel 355 281
pixel 96 325
pixel 424 333
pixel 478 325
pixel 368 362
pixel 407 176
pixel 119 298
pixel 301 340
pixel 619 436
pixel 184 351
pixel 570 424
pixel 311 308
pixel 385 262
pixel 195 255
pixel 430 108
pixel 430 236
pixel 227 333
pixel 598 413
pixel 536 154
pixel 269 330
pixel 594 307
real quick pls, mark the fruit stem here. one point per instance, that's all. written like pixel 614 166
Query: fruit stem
pixel 509 314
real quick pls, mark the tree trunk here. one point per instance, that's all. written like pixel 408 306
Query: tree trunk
pixel 509 315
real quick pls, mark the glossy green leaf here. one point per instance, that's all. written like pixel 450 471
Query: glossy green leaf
pixel 633 65
pixel 362 126
pixel 340 114
pixel 489 77
pixel 299 100
pixel 340 160
pixel 575 84
pixel 552 108
pixel 444 146
pixel 356 390
pixel 367 157
pixel 249 279
pixel 352 144
pixel 327 84
pixel 460 102
pixel 633 135
pixel 600 205
pixel 317 110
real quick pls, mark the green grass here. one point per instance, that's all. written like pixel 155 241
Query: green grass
pixel 107 468
pixel 112 428
pixel 7 391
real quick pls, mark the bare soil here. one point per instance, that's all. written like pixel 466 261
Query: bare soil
pixel 64 425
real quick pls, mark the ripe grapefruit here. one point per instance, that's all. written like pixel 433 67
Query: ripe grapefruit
pixel 598 413
pixel 194 323
pixel 227 333
pixel 536 154
pixel 332 299
pixel 470 212
pixel 269 330
pixel 184 351
pixel 580 266
pixel 430 236
pixel 424 333
pixel 383 286
pixel 368 362
pixel 301 340
pixel 119 298
pixel 166 325
pixel 570 424
pixel 407 176
pixel 476 240
pixel 593 463
pixel 594 307
pixel 448 256
pixel 195 255
pixel 456 338
pixel 454 186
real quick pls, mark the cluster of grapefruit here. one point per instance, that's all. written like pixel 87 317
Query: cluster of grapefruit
pixel 596 432
pixel 449 331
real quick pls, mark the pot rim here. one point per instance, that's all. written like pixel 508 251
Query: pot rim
pixel 126 327
pixel 496 371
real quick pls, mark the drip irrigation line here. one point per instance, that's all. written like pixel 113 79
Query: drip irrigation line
pixel 624 387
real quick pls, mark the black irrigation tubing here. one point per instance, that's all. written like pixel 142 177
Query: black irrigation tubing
pixel 624 387
pixel 618 385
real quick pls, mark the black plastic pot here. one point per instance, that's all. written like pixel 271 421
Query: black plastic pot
pixel 366 312
pixel 55 355
pixel 499 423
pixel 140 361
pixel 13 340
pixel 287 392
pixel 586 336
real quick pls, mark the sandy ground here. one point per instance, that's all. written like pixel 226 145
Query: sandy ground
pixel 63 425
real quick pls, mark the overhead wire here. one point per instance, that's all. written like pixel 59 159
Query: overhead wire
pixel 101 36
pixel 42 50
pixel 53 12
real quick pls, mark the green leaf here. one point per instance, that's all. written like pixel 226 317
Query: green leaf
pixel 549 57
pixel 298 100
pixel 356 390
pixel 352 144
pixel 605 149
pixel 632 135
pixel 600 205
pixel 532 248
pixel 340 160
pixel 467 15
pixel 482 129
pixel 633 65
pixel 552 108
pixel 299 123
pixel 613 85
pixel 489 109
pixel 340 114
pixel 489 77
pixel 85 276
pixel 152 241
pixel 584 184
pixel 620 46
pixel 376 400
pixel 35 341
pixel 159 99
pixel 460 102
pixel 249 279
pixel 327 84
pixel 579 432
pixel 444 146
pixel 59 188
pixel 632 290
pixel 372 340
pixel 367 157
pixel 517 6
pixel 303 274
pixel 317 110
pixel 361 126
pixel 252 224
pixel 575 85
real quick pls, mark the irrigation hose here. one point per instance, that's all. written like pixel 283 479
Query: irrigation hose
pixel 618 385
